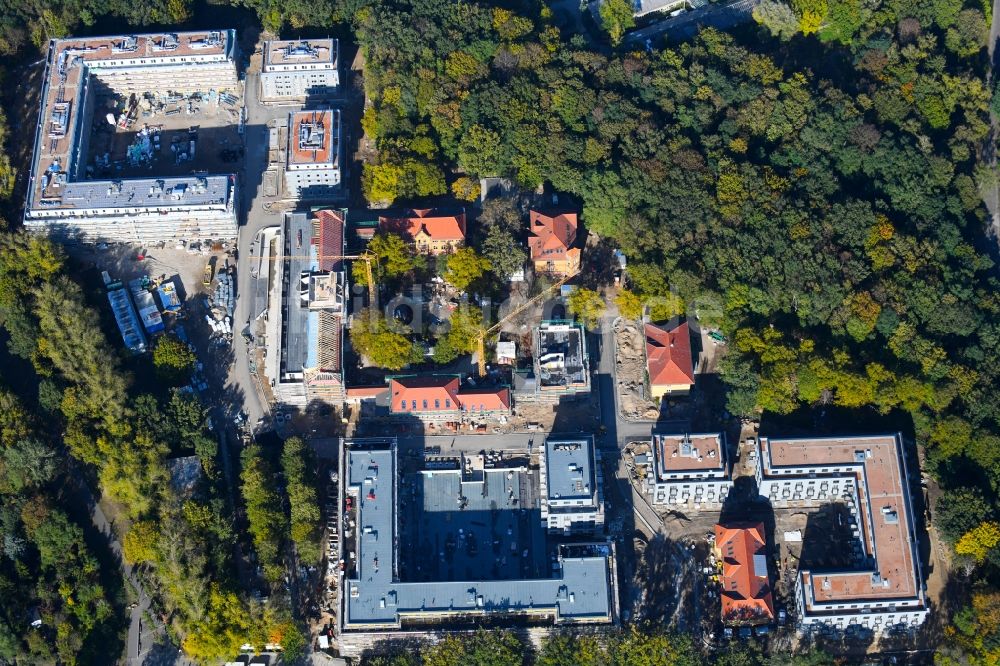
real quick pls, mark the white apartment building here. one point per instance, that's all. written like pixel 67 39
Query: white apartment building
pixel 299 69
pixel 571 486
pixel 689 471
pixel 883 588
pixel 312 169
pixel 140 210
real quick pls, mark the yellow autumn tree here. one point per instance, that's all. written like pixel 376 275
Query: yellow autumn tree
pixel 979 541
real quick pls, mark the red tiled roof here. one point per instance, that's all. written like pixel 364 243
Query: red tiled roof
pixel 433 223
pixel 489 400
pixel 408 395
pixel 746 587
pixel 415 395
pixel 668 355
pixel 551 236
pixel 330 239
pixel 324 153
pixel 360 392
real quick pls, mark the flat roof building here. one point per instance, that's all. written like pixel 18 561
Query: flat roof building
pixel 60 200
pixel 882 586
pixel 561 363
pixel 312 169
pixel 571 486
pixel 397 580
pixel 306 309
pixel 296 70
pixel 689 470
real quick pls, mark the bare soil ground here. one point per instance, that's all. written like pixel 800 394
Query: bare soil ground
pixel 215 133
pixel 122 263
pixel 630 368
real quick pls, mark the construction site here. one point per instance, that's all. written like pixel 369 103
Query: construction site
pixel 162 133
pixel 119 127
pixel 630 373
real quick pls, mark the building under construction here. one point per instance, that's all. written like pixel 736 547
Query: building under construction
pixel 63 202
pixel 561 365
pixel 297 70
pixel 306 306
pixel 312 169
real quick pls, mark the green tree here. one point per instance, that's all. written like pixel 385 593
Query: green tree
pixel 504 253
pixel 173 359
pixel 479 151
pixel 967 36
pixel 267 521
pixel 483 648
pixel 637 648
pixel 465 266
pixel 959 510
pixel 395 256
pixel 500 212
pixel 587 305
pixel 299 465
pixel 616 18
pixel 381 345
pixel 777 17
pixel 571 650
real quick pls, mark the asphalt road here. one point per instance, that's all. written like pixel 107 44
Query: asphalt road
pixel 140 637
pixel 255 219
pixel 687 24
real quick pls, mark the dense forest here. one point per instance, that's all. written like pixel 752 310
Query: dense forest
pixel 811 184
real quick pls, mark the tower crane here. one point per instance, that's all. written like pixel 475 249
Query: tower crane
pixel 485 333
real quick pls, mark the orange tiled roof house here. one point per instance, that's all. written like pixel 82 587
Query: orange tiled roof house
pixel 551 243
pixel 668 360
pixel 429 230
pixel 746 586
pixel 436 398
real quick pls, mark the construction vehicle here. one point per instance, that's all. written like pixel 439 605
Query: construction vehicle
pixel 481 342
pixel 207 278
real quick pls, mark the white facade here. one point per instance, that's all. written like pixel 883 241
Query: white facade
pixel 312 183
pixel 142 210
pixel 295 70
pixel 137 210
pixel 689 471
pixel 312 169
pixel 872 484
pixel 571 486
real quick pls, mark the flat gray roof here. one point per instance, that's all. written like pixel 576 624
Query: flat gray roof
pixel 579 590
pixel 570 470
pixel 300 256
pixel 139 193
